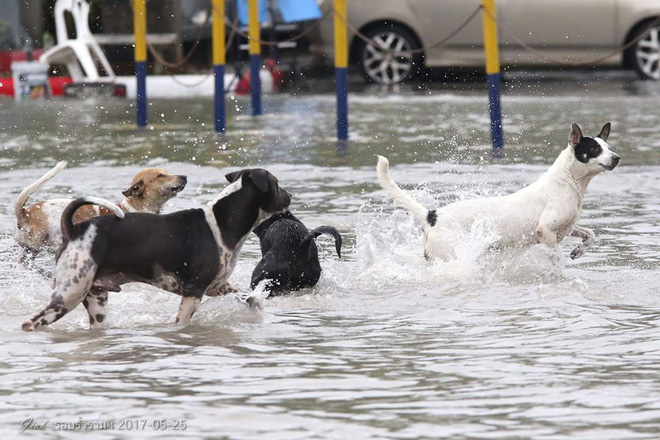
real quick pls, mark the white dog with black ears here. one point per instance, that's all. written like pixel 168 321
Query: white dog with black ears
pixel 544 212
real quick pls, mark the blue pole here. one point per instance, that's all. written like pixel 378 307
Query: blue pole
pixel 140 32
pixel 341 68
pixel 219 63
pixel 493 81
pixel 493 76
pixel 341 80
pixel 219 96
pixel 255 83
pixel 255 55
pixel 141 74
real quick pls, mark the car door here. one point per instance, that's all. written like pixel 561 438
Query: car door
pixel 438 19
pixel 556 24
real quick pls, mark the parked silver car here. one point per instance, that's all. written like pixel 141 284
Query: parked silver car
pixel 566 30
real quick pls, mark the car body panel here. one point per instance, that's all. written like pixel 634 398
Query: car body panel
pixel 631 13
pixel 568 30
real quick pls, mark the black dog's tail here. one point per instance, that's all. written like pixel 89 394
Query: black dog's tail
pixel 66 223
pixel 328 230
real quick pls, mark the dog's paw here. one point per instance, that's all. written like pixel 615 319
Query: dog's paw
pixel 223 290
pixel 578 252
pixel 28 326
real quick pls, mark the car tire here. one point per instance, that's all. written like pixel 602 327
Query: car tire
pixel 645 54
pixel 379 66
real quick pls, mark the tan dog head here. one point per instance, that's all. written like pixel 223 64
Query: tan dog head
pixel 151 188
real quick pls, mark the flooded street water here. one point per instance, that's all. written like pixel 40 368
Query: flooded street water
pixel 515 345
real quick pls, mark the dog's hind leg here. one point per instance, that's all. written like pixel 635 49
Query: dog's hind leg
pixel 187 309
pixel 95 302
pixel 60 304
pixel 222 290
pixel 588 237
pixel 28 260
pixel 75 275
pixel 27 257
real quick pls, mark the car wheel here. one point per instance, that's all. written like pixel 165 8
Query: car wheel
pixel 645 54
pixel 377 62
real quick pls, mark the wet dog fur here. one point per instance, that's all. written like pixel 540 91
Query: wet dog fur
pixel 544 212
pixel 38 225
pixel 290 259
pixel 188 253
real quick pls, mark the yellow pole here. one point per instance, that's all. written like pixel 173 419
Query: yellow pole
pixel 491 48
pixel 254 29
pixel 341 68
pixel 255 55
pixel 219 63
pixel 140 31
pixel 493 76
pixel 341 35
pixel 219 32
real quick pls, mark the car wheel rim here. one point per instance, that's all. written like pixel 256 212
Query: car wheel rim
pixel 648 53
pixel 383 61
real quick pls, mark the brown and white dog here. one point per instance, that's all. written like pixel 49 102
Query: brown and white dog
pixel 38 225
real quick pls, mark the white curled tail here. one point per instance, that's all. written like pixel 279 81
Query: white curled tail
pixel 399 196
pixel 27 192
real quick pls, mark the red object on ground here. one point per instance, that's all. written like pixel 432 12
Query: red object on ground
pixel 277 74
pixel 120 91
pixel 57 84
pixel 243 86
pixel 9 56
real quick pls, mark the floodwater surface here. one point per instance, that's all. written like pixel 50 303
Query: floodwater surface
pixel 526 344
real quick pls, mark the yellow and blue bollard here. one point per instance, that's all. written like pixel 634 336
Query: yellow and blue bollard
pixel 255 55
pixel 140 30
pixel 219 63
pixel 493 76
pixel 341 68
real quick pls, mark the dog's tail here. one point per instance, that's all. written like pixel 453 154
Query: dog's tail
pixel 399 196
pixel 328 230
pixel 67 216
pixel 27 192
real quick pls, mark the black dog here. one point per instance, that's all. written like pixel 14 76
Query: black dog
pixel 189 253
pixel 290 259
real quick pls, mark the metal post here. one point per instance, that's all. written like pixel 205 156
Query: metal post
pixel 140 31
pixel 255 55
pixel 493 77
pixel 219 63
pixel 341 68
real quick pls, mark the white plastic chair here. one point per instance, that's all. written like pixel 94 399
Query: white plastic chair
pixel 81 54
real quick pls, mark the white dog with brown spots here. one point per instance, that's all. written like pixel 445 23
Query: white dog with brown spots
pixel 38 225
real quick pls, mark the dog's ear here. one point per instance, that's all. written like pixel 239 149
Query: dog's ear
pixel 575 136
pixel 605 131
pixel 260 179
pixel 136 190
pixel 233 177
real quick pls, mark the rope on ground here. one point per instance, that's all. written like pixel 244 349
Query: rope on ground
pixel 230 40
pixel 182 61
pixel 196 84
pixel 571 63
pixel 185 59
